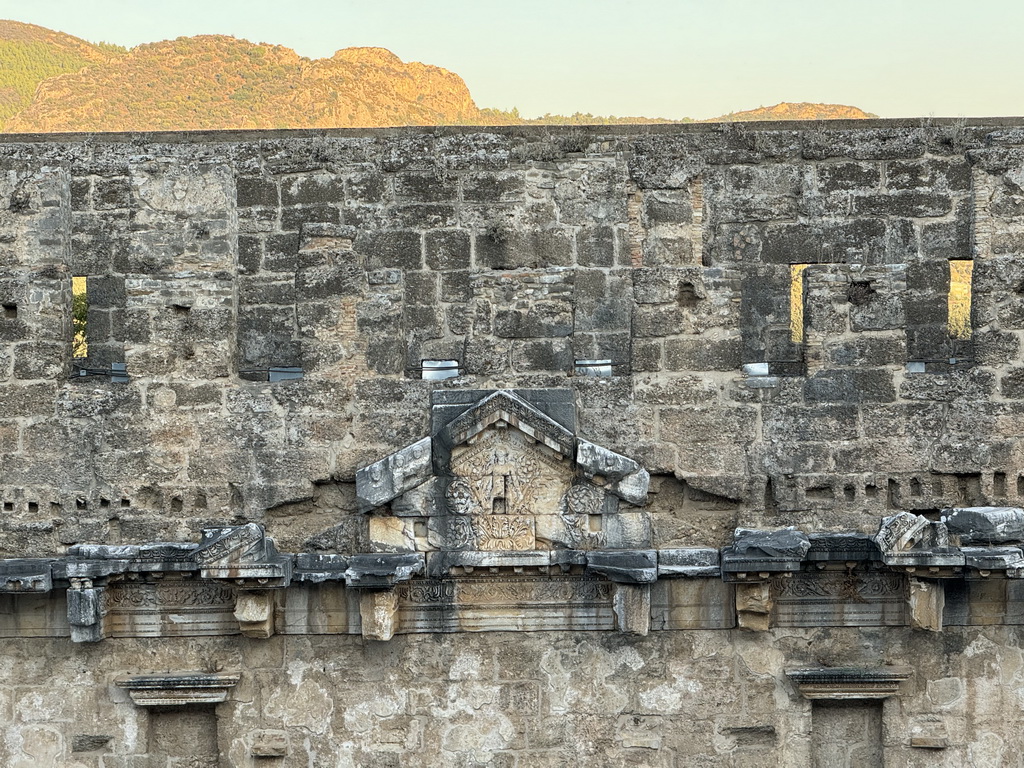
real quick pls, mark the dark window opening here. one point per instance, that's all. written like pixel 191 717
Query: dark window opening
pixel 10 311
pixel 273 374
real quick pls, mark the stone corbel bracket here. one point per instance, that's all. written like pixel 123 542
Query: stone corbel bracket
pixel 179 689
pixel 633 572
pixel 375 576
pixel 753 558
pixel 844 683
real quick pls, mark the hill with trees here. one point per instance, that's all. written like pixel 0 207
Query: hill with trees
pixel 31 54
pixel 795 111
pixel 53 82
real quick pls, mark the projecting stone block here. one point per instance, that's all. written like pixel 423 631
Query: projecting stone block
pixel 692 563
pixel 255 613
pixel 625 567
pixel 926 601
pixel 392 476
pixel 986 524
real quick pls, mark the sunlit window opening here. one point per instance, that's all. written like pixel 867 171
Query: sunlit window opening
pixel 79 317
pixel 796 302
pixel 960 274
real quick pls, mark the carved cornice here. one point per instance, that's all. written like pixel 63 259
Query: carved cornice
pixel 179 689
pixel 848 682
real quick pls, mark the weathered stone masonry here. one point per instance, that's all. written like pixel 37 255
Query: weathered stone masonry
pixel 744 546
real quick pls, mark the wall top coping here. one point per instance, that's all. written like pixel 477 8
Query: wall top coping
pixel 525 131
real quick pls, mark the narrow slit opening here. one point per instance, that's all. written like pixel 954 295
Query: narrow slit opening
pixel 796 302
pixel 961 272
pixel 79 317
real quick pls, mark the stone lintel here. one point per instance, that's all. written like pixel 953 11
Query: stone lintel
pixel 947 558
pixel 26 575
pixel 382 571
pixel 691 562
pixel 254 576
pixel 993 558
pixel 637 566
pixel 440 564
pixel 837 683
pixel 179 689
pixel 986 525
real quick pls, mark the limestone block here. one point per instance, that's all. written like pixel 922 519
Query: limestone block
pixel 926 601
pixel 255 613
pixel 753 606
pixel 623 476
pixel 632 606
pixel 390 534
pixel 692 603
pixel 268 743
pixel 626 530
pixel 378 611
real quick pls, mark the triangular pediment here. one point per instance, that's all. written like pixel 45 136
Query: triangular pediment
pixel 505 408
pixel 463 418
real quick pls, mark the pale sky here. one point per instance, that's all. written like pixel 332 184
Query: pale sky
pixel 656 58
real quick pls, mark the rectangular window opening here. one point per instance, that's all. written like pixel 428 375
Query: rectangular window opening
pixel 595 368
pixel 434 370
pixel 10 311
pixel 79 317
pixel 796 302
pixel 961 272
pixel 273 374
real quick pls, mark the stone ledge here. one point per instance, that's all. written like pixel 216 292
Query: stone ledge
pixel 848 682
pixel 177 690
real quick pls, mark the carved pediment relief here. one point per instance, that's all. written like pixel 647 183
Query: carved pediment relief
pixel 506 472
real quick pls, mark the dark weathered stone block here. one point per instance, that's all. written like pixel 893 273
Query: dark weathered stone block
pixel 447 249
pixel 256 191
pixel 850 386
pixel 391 249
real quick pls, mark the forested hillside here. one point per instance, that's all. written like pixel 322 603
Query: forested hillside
pixel 30 54
pixel 53 82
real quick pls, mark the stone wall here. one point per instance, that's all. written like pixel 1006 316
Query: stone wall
pixel 216 263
